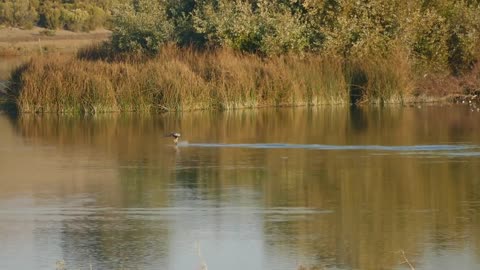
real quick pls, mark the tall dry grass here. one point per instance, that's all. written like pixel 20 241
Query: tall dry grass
pixel 96 80
pixel 381 80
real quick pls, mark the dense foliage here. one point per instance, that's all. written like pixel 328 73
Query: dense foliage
pixel 437 34
pixel 75 15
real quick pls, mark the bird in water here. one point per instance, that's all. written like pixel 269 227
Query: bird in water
pixel 174 135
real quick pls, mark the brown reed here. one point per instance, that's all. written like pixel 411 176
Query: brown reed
pixel 183 79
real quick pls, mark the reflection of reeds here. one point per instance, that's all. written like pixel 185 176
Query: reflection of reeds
pixel 184 79
pixel 378 200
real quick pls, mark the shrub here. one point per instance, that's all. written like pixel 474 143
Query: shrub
pixel 50 15
pixel 74 19
pixel 362 28
pixel 179 12
pixel 141 27
pixel 230 23
pixel 6 13
pixel 97 17
pixel 284 32
pixel 428 40
pixel 264 27
pixel 82 15
pixel 19 13
pixel 463 28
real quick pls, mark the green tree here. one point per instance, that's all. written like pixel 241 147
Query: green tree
pixel 50 15
pixel 141 26
pixel 252 26
pixel 19 13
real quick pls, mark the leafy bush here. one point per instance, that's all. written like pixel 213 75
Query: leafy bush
pixel 97 17
pixel 229 23
pixel 180 12
pixel 141 27
pixel 19 13
pixel 284 31
pixel 53 14
pixel 463 35
pixel 50 15
pixel 265 27
pixel 74 19
pixel 428 39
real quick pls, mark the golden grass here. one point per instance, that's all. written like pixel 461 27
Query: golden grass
pixel 381 80
pixel 9 50
pixel 15 42
pixel 178 79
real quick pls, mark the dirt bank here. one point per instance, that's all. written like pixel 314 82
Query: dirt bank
pixel 15 41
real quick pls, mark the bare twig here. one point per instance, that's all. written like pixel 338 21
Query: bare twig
pixel 405 260
pixel 203 265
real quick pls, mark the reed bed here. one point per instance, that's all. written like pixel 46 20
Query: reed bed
pixel 381 80
pixel 179 79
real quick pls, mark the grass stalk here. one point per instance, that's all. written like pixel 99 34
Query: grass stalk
pixel 182 79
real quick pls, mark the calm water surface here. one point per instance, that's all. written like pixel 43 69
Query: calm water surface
pixel 337 188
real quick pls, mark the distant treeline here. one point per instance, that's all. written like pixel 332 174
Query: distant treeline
pixel 435 34
pixel 74 15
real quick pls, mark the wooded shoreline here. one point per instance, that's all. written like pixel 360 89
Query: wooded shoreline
pixel 221 54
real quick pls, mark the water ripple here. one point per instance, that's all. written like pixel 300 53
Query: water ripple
pixel 164 211
pixel 410 148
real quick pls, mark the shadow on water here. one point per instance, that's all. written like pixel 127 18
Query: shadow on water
pixel 10 113
pixel 358 118
pixel 9 109
pixel 8 93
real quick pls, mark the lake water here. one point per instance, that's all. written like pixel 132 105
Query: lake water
pixel 332 187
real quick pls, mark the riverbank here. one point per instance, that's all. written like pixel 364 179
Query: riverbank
pixel 280 54
pixel 97 80
pixel 15 41
pixel 18 45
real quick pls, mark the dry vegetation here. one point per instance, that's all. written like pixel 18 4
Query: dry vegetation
pixel 182 79
pixel 179 79
pixel 186 79
pixel 15 41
